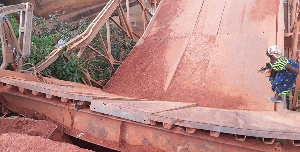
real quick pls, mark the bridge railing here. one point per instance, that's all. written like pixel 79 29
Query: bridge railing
pixel 292 18
pixel 9 41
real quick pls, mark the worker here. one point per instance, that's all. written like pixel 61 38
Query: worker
pixel 282 73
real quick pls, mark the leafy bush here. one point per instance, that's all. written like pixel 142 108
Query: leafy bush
pixel 46 34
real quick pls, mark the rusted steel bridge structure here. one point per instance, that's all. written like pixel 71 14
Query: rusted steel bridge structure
pixel 189 84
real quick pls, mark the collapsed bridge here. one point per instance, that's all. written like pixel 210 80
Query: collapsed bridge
pixel 195 85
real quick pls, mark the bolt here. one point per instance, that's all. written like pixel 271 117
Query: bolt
pixel 80 135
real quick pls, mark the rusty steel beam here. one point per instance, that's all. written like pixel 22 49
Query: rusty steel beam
pixel 293 13
pixel 124 135
pixel 125 22
pixel 8 37
pixel 13 36
pixel 48 89
pixel 7 49
pixel 124 30
pixel 12 9
pixel 295 96
pixel 142 4
pixel 288 18
pixel 171 114
pixel 137 111
pixel 108 41
pixel 295 40
pixel 178 50
pixel 26 17
pixel 83 39
pixel 136 37
pixel 291 41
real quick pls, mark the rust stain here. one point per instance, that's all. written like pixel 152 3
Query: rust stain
pixel 200 76
pixel 243 15
pixel 263 8
pixel 202 69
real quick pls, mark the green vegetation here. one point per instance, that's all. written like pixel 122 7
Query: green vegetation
pixel 46 34
pixel 288 96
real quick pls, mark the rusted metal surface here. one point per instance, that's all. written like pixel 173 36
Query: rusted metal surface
pixel 294 23
pixel 243 123
pixel 8 37
pixel 49 89
pixel 190 64
pixel 171 114
pixel 83 40
pixel 52 87
pixel 12 9
pixel 193 61
pixel 240 137
pixel 268 140
pixel 214 133
pixel 45 7
pixel 139 111
pixel 291 44
pixel 124 135
pixel 66 115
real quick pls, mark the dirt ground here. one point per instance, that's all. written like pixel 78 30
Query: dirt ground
pixel 27 126
pixel 23 134
pixel 24 142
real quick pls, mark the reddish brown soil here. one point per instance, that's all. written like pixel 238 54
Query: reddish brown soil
pixel 27 126
pixel 24 142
